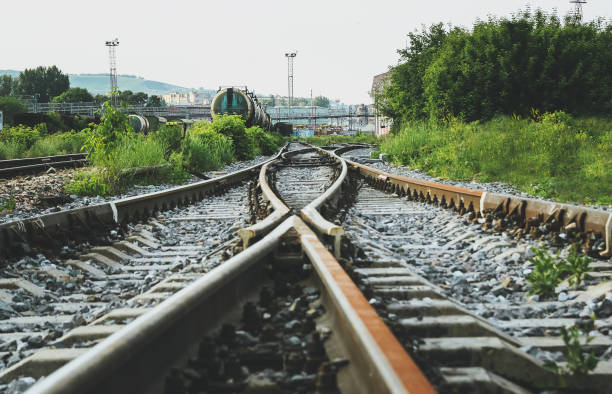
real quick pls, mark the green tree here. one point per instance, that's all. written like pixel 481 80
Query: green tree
pixel 100 99
pixel 321 101
pixel 531 60
pixel 139 98
pixel 46 82
pixel 74 95
pixel 10 107
pixel 8 85
pixel 155 101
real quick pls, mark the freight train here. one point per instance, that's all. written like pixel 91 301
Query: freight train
pixel 239 101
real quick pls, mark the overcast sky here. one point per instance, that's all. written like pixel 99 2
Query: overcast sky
pixel 341 44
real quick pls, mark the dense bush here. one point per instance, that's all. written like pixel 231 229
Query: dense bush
pixel 20 135
pixel 16 142
pixel 10 107
pixel 89 183
pixel 205 149
pixel 233 126
pixel 170 136
pixel 503 66
pixel 59 144
pixel 113 126
pixel 263 142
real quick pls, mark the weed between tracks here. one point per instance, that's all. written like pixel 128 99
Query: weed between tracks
pixel 549 270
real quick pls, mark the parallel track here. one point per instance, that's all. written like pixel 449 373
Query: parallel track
pixel 457 347
pixel 33 165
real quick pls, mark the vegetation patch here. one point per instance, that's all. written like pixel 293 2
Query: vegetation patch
pixel 122 158
pixel 7 205
pixel 554 156
pixel 549 270
pixel 579 362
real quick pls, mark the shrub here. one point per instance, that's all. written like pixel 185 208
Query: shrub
pixel 170 136
pixel 10 107
pixel 11 150
pixel 233 126
pixel 113 125
pixel 7 205
pixel 59 144
pixel 577 267
pixel 579 363
pixel 262 141
pixel 22 135
pixel 205 149
pixel 557 156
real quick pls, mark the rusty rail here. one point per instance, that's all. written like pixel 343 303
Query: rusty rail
pixel 136 358
pixel 528 212
pixel 311 212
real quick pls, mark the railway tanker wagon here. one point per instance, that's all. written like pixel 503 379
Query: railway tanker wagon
pixel 240 102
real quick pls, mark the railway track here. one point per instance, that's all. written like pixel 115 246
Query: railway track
pixel 33 165
pixel 342 272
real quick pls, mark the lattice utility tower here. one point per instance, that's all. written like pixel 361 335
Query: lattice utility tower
pixel 290 56
pixel 578 8
pixel 113 68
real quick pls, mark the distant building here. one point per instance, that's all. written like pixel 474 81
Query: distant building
pixel 382 124
pixel 190 98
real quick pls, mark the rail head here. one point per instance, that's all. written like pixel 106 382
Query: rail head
pixel 311 212
pixel 280 210
pixel 383 365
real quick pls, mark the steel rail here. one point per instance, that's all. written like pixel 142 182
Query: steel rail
pixel 378 362
pixel 310 213
pixel 531 211
pixel 133 359
pixel 279 213
pixel 138 356
pixel 49 228
pixel 27 161
pixel 10 168
pixel 279 209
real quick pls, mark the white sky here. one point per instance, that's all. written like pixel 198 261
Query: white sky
pixel 341 44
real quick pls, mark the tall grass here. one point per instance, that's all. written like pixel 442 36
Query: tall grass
pixel 556 156
pixel 205 149
pixel 20 141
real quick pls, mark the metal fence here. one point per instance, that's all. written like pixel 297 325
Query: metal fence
pixel 183 111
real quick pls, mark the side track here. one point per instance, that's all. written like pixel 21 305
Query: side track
pixel 11 168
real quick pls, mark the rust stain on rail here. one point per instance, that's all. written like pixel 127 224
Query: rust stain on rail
pixel 410 375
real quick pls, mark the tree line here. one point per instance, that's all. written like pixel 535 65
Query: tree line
pixel 532 62
pixel 50 84
pixel 319 101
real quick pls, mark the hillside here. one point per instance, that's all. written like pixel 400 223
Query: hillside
pixel 99 83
